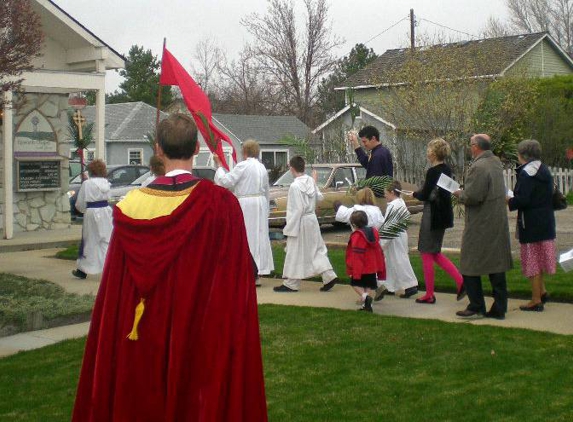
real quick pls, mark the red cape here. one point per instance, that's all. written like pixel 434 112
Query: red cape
pixel 198 356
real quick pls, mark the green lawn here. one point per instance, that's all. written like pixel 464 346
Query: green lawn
pixel 332 365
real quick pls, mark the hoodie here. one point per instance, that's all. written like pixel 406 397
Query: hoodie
pixel 532 200
pixel 364 254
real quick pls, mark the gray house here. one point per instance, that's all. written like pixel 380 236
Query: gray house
pixel 126 130
pixel 128 124
pixel 268 131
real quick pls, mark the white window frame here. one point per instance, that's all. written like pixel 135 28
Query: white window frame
pixel 274 151
pixel 130 150
pixel 227 150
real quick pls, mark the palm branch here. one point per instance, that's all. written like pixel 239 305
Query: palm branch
pixel 396 222
pixel 377 183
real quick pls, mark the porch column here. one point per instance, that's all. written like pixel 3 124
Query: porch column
pixel 100 114
pixel 8 196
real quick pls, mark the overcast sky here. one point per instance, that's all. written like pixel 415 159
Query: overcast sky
pixel 122 23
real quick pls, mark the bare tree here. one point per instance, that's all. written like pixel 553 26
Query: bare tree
pixel 207 60
pixel 295 60
pixel 21 39
pixel 495 28
pixel 244 88
pixel 554 16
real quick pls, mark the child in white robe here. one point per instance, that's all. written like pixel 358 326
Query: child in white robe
pixel 97 226
pixel 400 276
pixel 306 253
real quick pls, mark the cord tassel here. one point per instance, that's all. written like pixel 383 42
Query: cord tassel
pixel 138 314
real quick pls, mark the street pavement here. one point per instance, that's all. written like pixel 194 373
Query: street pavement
pixel 23 256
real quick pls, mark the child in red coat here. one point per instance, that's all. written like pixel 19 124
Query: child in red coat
pixel 364 258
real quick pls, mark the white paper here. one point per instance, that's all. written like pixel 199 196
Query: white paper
pixel 448 183
pixel 510 193
pixel 566 261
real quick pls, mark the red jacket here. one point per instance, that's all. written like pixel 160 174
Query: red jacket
pixel 364 254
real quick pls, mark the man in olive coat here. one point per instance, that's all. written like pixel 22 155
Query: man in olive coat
pixel 486 247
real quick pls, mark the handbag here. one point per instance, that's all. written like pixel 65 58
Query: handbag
pixel 559 201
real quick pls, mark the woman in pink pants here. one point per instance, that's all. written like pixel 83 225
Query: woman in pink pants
pixel 436 218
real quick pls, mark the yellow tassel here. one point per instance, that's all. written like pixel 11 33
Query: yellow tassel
pixel 138 314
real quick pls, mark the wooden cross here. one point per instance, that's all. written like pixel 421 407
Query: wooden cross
pixel 79 120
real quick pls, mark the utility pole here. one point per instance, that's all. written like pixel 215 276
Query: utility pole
pixel 412 26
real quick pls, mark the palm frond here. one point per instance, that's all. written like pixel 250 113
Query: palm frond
pixel 377 183
pixel 396 222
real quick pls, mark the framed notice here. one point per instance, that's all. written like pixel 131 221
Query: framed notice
pixel 38 175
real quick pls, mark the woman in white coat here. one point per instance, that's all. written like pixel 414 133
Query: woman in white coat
pixel 249 181
pixel 97 226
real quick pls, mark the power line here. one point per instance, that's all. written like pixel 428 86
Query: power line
pixel 387 29
pixel 447 27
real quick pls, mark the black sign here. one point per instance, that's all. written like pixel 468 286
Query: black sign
pixel 38 175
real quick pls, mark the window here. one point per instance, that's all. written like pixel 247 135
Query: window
pixel 275 158
pixel 343 177
pixel 89 155
pixel 135 156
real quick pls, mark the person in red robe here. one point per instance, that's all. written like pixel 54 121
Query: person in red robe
pixel 174 334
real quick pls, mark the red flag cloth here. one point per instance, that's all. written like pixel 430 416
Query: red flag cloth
pixel 172 73
pixel 198 352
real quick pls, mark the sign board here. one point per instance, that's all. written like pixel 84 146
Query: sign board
pixel 38 175
pixel 35 136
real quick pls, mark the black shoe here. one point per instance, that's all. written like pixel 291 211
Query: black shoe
pixel 494 314
pixel 428 301
pixel 535 308
pixel 461 293
pixel 283 288
pixel 79 274
pixel 410 291
pixel 544 298
pixel 329 285
pixel 380 292
pixel 367 307
pixel 469 314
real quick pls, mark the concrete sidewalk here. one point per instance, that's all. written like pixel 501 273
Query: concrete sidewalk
pixel 42 264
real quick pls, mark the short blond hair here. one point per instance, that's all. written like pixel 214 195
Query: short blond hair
pixel 366 196
pixel 251 148
pixel 440 148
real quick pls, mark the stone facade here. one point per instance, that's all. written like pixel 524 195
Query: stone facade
pixel 44 210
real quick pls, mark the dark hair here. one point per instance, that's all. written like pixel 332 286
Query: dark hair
pixel 297 163
pixel 97 169
pixel 530 149
pixel 369 132
pixel 395 187
pixel 359 219
pixel 177 136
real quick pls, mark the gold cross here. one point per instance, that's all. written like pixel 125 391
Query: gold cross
pixel 79 120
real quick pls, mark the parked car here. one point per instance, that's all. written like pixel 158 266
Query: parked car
pixel 118 175
pixel 117 193
pixel 335 182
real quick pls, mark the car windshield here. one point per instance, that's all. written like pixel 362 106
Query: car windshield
pixel 323 174
pixel 141 179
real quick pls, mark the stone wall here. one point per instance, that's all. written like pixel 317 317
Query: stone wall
pixel 51 209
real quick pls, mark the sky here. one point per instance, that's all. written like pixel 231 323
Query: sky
pixel 183 23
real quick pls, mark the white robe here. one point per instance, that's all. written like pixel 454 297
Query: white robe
pixel 375 217
pixel 399 272
pixel 97 225
pixel 249 182
pixel 306 253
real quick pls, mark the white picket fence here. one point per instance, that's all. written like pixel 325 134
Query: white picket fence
pixel 563 178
